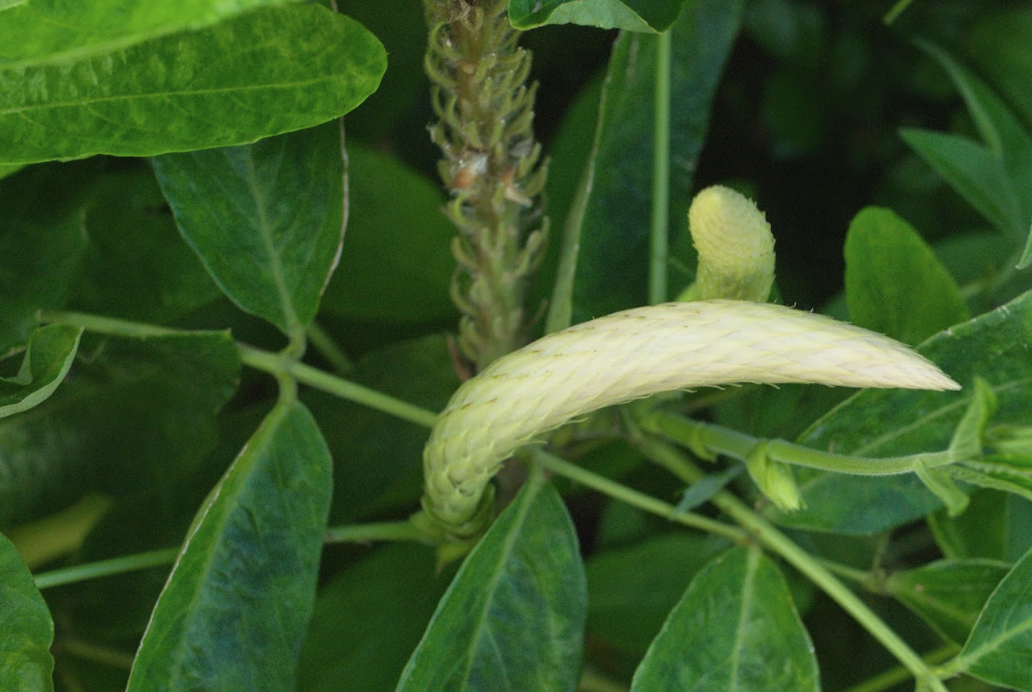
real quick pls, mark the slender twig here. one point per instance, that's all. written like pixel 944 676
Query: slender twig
pixel 365 533
pixel 105 568
pixel 329 349
pixel 660 174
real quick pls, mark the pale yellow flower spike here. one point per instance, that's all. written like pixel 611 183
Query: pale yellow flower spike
pixel 735 246
pixel 632 354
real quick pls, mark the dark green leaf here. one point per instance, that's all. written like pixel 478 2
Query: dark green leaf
pixel 266 219
pixel 999 646
pixel 27 632
pixel 613 261
pixel 235 610
pixel 894 283
pixel 132 414
pixel 47 360
pixel 9 170
pixel 995 526
pixel 397 263
pixel 1001 44
pixel 631 590
pixel 137 266
pixel 1008 472
pixel 266 72
pixel 793 32
pixel 735 619
pixel 368 620
pixel 948 594
pixel 54 31
pixel 878 423
pixel 513 619
pixel 631 15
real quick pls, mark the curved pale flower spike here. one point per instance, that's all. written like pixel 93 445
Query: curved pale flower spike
pixel 735 246
pixel 633 354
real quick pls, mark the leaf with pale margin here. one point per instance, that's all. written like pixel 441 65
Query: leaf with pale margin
pixel 948 594
pixel 267 72
pixel 27 632
pixel 881 423
pixel 612 267
pixel 47 360
pixel 631 15
pixel 234 613
pixel 266 219
pixel 52 30
pixel 735 618
pixel 513 619
pixel 998 649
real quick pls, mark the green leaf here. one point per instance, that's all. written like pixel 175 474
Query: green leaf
pixel 53 31
pixel 998 649
pixel 235 610
pixel 878 423
pixel 631 590
pixel 396 264
pixel 948 594
pixel 47 360
pixel 513 619
pixel 612 268
pixel 136 266
pixel 266 219
pixel 133 414
pixel 9 170
pixel 266 72
pixel 735 619
pixel 27 632
pixel 995 526
pixel 41 241
pixel 631 15
pixel 894 283
pixel 369 618
pixel 1009 472
pixel 1001 43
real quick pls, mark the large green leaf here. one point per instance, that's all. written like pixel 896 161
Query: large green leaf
pixel 882 422
pixel 368 620
pixel 397 263
pixel 133 414
pixel 266 219
pixel 235 610
pixel 263 73
pixel 995 526
pixel 1001 44
pixel 27 631
pixel 612 269
pixel 894 283
pixel 513 619
pixel 53 31
pixel 948 594
pixel 999 648
pixel 632 15
pixel 47 360
pixel 735 620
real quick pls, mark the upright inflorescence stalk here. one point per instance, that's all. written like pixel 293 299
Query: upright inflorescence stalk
pixel 491 167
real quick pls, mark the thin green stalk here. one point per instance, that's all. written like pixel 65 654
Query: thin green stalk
pixel 634 498
pixel 660 174
pixel 899 674
pixel 859 576
pixel 714 439
pixel 896 11
pixel 769 537
pixel 329 349
pixel 106 568
pixel 276 364
pixel 95 653
pixel 107 325
pixel 365 533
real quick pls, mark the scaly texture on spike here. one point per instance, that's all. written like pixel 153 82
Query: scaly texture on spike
pixel 632 354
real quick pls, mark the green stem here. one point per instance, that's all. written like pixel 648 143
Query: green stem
pixel 105 568
pixel 329 349
pixel 634 498
pixel 108 325
pixel 775 541
pixel 660 174
pixel 365 533
pixel 720 440
pixel 95 653
pixel 859 576
pixel 899 674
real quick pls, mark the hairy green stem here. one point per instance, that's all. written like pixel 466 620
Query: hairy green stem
pixel 769 537
pixel 660 174
pixel 716 439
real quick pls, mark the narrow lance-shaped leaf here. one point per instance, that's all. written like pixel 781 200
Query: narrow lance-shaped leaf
pixel 47 360
pixel 270 71
pixel 235 610
pixel 27 631
pixel 513 619
pixel 735 630
pixel 266 219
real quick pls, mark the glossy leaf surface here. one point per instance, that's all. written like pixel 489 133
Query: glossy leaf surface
pixel 631 15
pixel 266 219
pixel 235 610
pixel 27 632
pixel 263 73
pixel 513 619
pixel 47 360
pixel 735 619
